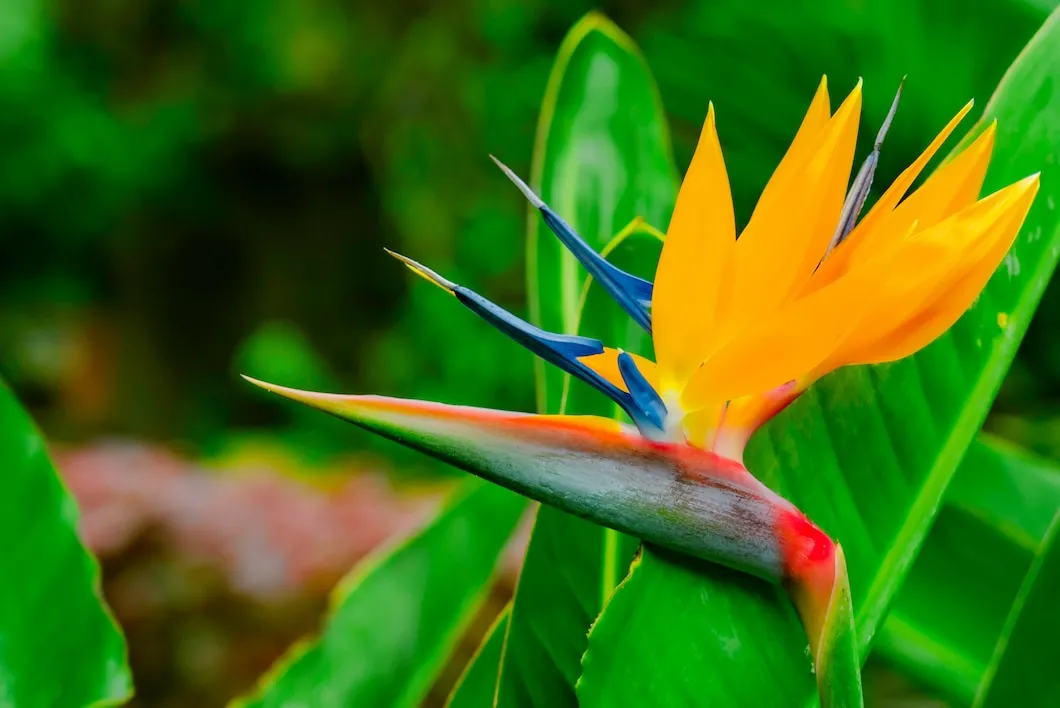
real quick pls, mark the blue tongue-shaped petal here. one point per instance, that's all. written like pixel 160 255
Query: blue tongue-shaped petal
pixel 633 294
pixel 562 350
pixel 649 404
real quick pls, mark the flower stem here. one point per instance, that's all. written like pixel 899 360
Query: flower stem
pixel 816 578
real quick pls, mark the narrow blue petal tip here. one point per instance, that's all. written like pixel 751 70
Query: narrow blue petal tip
pixel 562 350
pixel 633 294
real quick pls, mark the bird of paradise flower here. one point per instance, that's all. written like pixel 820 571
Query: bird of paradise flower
pixel 740 328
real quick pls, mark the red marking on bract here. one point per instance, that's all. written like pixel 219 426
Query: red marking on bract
pixel 806 549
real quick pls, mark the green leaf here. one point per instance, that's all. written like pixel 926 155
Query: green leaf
pixel 1022 670
pixel 396 617
pixel 478 683
pixel 586 561
pixel 602 158
pixel 867 453
pixel 59 645
pixel 647 649
pixel 951 611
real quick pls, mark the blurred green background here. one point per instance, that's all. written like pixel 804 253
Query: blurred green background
pixel 193 189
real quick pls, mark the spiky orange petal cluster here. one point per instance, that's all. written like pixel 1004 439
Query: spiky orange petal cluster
pixel 741 326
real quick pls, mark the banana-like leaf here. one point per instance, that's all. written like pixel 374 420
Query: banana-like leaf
pixel 950 614
pixel 602 158
pixel 396 617
pixel 478 684
pixel 59 646
pixel 1022 669
pixel 867 453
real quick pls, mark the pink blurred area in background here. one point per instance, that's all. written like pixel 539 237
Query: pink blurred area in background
pixel 268 533
pixel 213 573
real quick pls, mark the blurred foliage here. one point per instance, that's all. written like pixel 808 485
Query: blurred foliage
pixel 191 190
pixel 179 175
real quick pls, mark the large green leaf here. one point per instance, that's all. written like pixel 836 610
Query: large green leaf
pixel 397 616
pixel 867 453
pixel 951 611
pixel 478 683
pixel 1021 671
pixel 602 158
pixel 59 646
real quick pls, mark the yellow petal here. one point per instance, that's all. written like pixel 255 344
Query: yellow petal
pixel 606 364
pixel 778 348
pixel 879 225
pixel 890 198
pixel 787 234
pixel 701 426
pixel 930 314
pixel 696 258
pixel 952 187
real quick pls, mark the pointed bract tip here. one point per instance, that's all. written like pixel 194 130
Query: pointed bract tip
pixel 355 408
pixel 518 182
pixel 257 382
pixel 294 394
pixel 424 272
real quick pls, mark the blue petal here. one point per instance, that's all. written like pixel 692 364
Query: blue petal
pixel 633 294
pixel 649 405
pixel 562 350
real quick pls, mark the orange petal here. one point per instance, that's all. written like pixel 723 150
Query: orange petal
pixel 890 198
pixel 932 314
pixel 696 257
pixel 953 186
pixel 606 364
pixel 788 233
pixel 780 347
pixel 869 229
